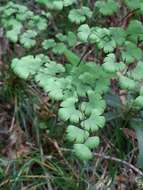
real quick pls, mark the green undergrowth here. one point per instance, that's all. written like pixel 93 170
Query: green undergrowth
pixel 72 73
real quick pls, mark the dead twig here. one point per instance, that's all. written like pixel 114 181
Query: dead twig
pixel 99 155
pixel 59 150
pixel 126 18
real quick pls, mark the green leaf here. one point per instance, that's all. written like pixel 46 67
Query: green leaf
pixel 107 7
pixel 26 66
pixel 50 78
pixel 87 78
pixel 110 64
pixel 102 85
pixel 55 88
pixel 71 57
pixel 13 34
pixel 46 78
pixel 52 4
pixel 95 101
pixel 82 152
pixel 118 35
pixel 79 15
pixel 51 68
pixel 69 112
pixel 37 23
pixel 47 44
pixel 103 38
pixel 59 48
pixel 135 30
pixel 137 72
pixel 27 39
pixel 68 2
pixel 61 37
pixel 139 101
pixel 57 4
pixel 131 52
pixel 127 83
pixel 94 122
pixel 71 39
pixel 76 134
pixel 83 32
pixel 76 16
pixel 133 4
pixel 92 142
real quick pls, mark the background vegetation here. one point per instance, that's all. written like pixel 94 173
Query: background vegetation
pixel 67 69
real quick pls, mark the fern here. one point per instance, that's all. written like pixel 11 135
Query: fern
pixel 82 151
pixel 127 83
pixel 136 73
pixel 139 101
pixel 21 24
pixel 26 66
pixel 94 122
pixel 92 142
pixel 79 85
pixel 107 8
pixel 79 15
pixel 95 101
pixel 27 39
pixel 68 111
pixel 77 135
pixel 69 87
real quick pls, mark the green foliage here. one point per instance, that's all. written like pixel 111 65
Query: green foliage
pixel 136 73
pixel 95 101
pixel 68 111
pixel 134 30
pixel 102 37
pixel 107 7
pixel 64 70
pixel 71 57
pixel 92 142
pixel 21 24
pixel 131 52
pixel 56 4
pixel 139 101
pixel 118 34
pixel 26 66
pixel 127 83
pixel 83 32
pixel 134 4
pixel 47 44
pixel 110 64
pixel 27 39
pixel 77 135
pixel 68 87
pixel 94 122
pixel 79 15
pixel 82 151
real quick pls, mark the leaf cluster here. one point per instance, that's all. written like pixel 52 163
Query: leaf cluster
pixel 80 85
